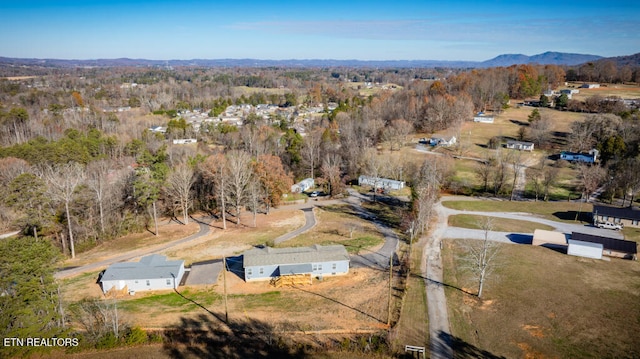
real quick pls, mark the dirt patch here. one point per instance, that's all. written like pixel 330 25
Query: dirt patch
pixel 534 330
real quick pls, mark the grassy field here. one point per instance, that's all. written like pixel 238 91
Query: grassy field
pixel 501 225
pixel 619 90
pixel 545 304
pixel 413 326
pixel 556 211
pixel 339 224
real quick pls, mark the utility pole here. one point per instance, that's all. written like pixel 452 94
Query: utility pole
pixel 390 287
pixel 224 279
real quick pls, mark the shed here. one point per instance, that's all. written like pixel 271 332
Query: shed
pixel 585 249
pixel 612 247
pixel 150 273
pixel 266 263
pixel 546 238
pixel 482 118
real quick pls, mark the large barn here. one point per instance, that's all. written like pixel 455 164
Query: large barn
pixel 150 273
pixel 266 263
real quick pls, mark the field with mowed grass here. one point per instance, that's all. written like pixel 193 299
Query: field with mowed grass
pixel 540 303
pixel 499 225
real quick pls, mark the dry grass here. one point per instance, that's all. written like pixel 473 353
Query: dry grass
pixel 541 303
pixel 622 91
pixel 501 225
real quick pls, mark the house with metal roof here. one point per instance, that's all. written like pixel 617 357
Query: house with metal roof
pixel 379 182
pixel 520 145
pixel 590 157
pixel 150 273
pixel 611 247
pixel 318 261
pixel 626 216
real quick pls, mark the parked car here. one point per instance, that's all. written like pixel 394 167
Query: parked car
pixel 314 194
pixel 609 225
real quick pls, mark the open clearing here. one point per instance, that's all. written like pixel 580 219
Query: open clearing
pixel 545 304
pixel 499 225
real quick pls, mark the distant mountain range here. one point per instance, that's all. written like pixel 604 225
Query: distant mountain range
pixel 555 58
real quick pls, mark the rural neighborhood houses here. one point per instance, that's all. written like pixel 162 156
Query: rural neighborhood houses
pixel 627 216
pixel 267 263
pixel 150 273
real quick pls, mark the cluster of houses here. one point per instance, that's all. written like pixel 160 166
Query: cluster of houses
pixel 155 272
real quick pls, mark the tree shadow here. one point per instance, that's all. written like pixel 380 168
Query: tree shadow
pixel 582 216
pixel 202 337
pixel 443 284
pixel 461 349
pixel 340 303
pixel 519 123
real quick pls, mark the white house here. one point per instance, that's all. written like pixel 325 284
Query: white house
pixel 303 185
pixel 184 141
pixel 443 141
pixel 378 182
pixel 590 86
pixel 266 263
pixel 482 118
pixel 519 145
pixel 150 273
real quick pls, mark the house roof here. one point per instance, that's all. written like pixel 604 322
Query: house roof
pixel 154 266
pixel 294 255
pixel 617 212
pixel 520 143
pixel 613 244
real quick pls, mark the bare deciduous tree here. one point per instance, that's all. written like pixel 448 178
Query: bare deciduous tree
pixel 591 178
pixel 238 176
pixel 480 256
pixel 179 185
pixel 62 181
pixel 215 169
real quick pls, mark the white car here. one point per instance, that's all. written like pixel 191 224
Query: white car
pixel 609 225
pixel 314 194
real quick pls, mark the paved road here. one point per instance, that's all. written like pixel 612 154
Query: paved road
pixel 310 222
pixel 70 272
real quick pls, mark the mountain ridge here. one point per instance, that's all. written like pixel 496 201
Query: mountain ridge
pixel 549 57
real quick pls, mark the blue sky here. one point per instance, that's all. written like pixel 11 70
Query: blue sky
pixel 364 30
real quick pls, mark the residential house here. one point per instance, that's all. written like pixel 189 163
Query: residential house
pixel 612 247
pixel 150 273
pixel 378 182
pixel 319 261
pixel 304 185
pixel 482 118
pixel 590 157
pixel 520 145
pixel 443 141
pixel 590 86
pixel 627 216
pixel 184 141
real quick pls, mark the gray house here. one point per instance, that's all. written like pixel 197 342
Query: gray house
pixel 150 273
pixel 266 263
pixel 379 182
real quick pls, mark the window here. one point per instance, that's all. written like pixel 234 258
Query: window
pixel 333 266
pixel 319 266
pixel 168 281
pixel 261 270
pixel 249 271
pixel 315 267
pixel 148 283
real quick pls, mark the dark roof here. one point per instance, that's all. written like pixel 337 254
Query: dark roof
pixel 613 244
pixel 617 212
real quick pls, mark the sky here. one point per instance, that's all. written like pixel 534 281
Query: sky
pixel 341 30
